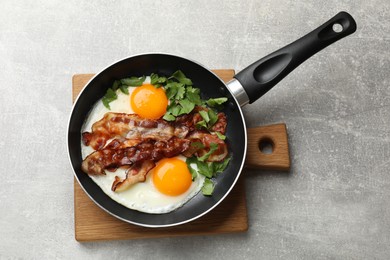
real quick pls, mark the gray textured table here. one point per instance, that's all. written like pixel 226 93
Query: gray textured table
pixel 333 204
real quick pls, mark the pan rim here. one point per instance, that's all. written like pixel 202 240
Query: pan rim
pixel 170 224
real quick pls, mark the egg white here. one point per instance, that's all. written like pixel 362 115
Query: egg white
pixel 142 196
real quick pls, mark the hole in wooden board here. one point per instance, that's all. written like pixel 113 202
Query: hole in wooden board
pixel 266 145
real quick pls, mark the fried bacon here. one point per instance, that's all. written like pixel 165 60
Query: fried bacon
pixel 138 143
pixel 153 150
pixel 120 143
pixel 220 125
pixel 206 140
pixel 136 173
pixel 129 126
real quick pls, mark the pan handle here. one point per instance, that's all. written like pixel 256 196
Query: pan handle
pixel 265 73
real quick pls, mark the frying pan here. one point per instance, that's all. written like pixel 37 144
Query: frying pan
pixel 246 87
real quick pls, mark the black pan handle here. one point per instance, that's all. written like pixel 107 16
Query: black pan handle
pixel 265 73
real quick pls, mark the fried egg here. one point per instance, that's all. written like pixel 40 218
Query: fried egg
pixel 149 102
pixel 169 185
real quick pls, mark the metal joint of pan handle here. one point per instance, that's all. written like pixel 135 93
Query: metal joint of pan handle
pixel 238 92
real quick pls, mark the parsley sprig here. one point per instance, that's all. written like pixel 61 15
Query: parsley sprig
pixel 123 85
pixel 182 95
pixel 207 169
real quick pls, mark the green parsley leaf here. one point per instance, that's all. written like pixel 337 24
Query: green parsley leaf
pixel 156 81
pixel 153 78
pixel 169 117
pixel 106 102
pixel 124 89
pixel 213 117
pixel 179 76
pixel 109 97
pixel 171 89
pixel 193 97
pixel 194 174
pixel 162 80
pixel 174 109
pixel 220 166
pixel 189 161
pixel 204 169
pixel 208 187
pixel 205 115
pixel 220 136
pixel 208 170
pixel 116 84
pixel 187 106
pixel 110 94
pixel 171 92
pixel 133 81
pixel 193 90
pixel 212 102
pixel 180 92
pixel 213 148
pixel 201 124
pixel 209 119
pixel 197 145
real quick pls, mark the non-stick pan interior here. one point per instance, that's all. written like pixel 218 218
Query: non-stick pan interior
pixel 163 64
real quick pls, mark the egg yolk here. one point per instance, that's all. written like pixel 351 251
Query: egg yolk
pixel 171 176
pixel 149 102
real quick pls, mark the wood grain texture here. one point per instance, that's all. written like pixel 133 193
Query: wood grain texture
pixel 94 224
pixel 276 135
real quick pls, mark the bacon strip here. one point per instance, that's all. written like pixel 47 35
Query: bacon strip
pixel 129 126
pixel 220 125
pixel 207 139
pixel 137 173
pixel 98 161
pixel 121 143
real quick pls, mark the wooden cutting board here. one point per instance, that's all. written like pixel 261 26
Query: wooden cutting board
pixel 94 224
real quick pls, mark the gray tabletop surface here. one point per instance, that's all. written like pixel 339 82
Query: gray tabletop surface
pixel 333 204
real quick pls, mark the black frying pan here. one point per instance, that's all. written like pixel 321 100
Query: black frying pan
pixel 248 85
